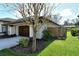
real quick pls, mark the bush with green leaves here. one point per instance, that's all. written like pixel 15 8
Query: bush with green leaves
pixel 75 32
pixel 47 35
pixel 23 42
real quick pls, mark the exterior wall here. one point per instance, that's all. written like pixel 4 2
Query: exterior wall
pixel 54 31
pixel 1 26
pixel 20 24
pixel 57 31
pixel 30 31
pixel 17 30
pixel 11 30
pixel 63 31
pixel 39 34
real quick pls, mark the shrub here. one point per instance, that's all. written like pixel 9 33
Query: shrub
pixel 78 32
pixel 46 35
pixel 75 32
pixel 23 42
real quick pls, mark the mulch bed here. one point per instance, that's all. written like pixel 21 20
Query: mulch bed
pixel 40 45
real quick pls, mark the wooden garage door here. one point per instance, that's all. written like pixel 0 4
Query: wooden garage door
pixel 24 31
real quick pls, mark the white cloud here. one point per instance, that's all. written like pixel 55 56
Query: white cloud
pixel 16 14
pixel 66 12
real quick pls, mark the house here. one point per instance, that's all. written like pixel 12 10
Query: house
pixel 57 31
pixel 69 26
pixel 19 28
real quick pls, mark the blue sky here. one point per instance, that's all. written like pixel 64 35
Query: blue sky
pixel 6 12
pixel 67 10
pixel 69 7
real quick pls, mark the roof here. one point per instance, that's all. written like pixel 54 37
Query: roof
pixel 54 22
pixel 20 20
pixel 7 19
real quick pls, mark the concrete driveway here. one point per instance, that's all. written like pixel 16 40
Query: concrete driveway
pixel 9 42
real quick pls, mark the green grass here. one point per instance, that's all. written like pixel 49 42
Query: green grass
pixel 68 47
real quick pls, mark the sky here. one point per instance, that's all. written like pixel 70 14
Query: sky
pixel 66 10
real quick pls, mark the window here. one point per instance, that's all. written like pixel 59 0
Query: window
pixel 4 28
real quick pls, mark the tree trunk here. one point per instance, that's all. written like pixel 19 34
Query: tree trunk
pixel 34 40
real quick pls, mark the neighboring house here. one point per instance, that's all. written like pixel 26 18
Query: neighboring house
pixel 69 26
pixel 18 27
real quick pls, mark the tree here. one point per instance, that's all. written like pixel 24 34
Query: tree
pixel 34 11
pixel 66 23
pixel 57 18
pixel 77 21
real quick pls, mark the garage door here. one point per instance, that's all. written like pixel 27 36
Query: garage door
pixel 24 31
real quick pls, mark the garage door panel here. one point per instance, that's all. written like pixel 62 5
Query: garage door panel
pixel 24 30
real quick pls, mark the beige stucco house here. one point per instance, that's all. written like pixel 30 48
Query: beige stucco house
pixel 19 28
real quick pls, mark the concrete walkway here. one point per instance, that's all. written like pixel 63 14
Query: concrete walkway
pixel 9 42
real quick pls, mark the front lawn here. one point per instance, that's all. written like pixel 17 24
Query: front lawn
pixel 67 47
